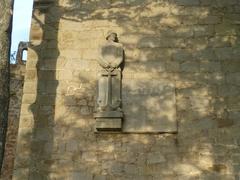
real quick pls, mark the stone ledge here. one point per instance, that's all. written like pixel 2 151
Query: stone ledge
pixel 42 4
pixel 108 124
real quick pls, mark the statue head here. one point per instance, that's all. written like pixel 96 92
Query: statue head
pixel 112 36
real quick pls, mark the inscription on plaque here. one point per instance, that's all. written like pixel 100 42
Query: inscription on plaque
pixel 149 106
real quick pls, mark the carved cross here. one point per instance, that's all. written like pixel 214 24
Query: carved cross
pixel 109 73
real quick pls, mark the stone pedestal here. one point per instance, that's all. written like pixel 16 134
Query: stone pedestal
pixel 108 124
pixel 108 121
pixel 109 113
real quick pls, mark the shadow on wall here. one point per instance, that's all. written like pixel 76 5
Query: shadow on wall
pixel 35 144
pixel 191 43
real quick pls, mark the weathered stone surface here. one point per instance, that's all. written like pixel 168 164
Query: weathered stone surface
pixel 155 113
pixel 210 20
pixel 17 72
pixel 108 124
pixel 80 176
pixel 181 72
pixel 188 2
pixel 154 158
pixel 100 177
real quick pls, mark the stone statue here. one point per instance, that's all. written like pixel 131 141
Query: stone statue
pixel 108 111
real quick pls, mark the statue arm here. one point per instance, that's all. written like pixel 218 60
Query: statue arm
pixel 116 64
pixel 103 63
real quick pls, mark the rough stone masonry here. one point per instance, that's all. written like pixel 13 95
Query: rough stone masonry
pixel 194 45
pixel 17 72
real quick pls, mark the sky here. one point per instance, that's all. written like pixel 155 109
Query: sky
pixel 22 13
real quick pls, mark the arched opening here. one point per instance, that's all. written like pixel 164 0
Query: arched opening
pixel 24 55
pixel 22 52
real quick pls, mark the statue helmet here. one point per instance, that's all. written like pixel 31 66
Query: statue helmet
pixel 109 33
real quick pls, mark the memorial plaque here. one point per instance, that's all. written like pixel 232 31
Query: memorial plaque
pixel 149 106
pixel 135 105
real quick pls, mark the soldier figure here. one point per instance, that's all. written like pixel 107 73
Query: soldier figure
pixel 108 106
pixel 111 57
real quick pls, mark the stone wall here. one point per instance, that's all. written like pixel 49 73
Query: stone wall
pixel 16 90
pixel 192 43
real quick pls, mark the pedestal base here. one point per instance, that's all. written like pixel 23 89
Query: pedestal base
pixel 108 124
pixel 108 121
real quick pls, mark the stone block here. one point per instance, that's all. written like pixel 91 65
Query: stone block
pixel 180 32
pixel 182 55
pixel 85 110
pixel 160 42
pixel 232 18
pixel 90 54
pixel 224 123
pixel 207 2
pixel 22 161
pixel 190 66
pixel 27 121
pixel 50 35
pixel 203 30
pixel 89 156
pixel 210 66
pixel 233 103
pixel 72 146
pixel 210 20
pixel 227 90
pixel 64 75
pixel 223 3
pixel 233 78
pixel 151 54
pixel 234 116
pixel 100 177
pixel 26 109
pixel 76 175
pixel 224 53
pixel 142 177
pixel 170 21
pixel 172 66
pixel 154 158
pixel 30 87
pixel 220 41
pixel 20 173
pixel 207 54
pixel 195 11
pixel 31 75
pixel 29 98
pixel 48 87
pixel 36 33
pixel 188 2
pixel 186 169
pixel 190 20
pixel 226 29
pixel 116 168
pixel 42 134
pixel 197 43
pixel 47 75
pixel 236 53
pixel 108 124
pixel 51 54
